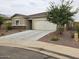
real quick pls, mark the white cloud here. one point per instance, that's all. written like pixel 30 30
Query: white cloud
pixel 21 6
pixel 10 7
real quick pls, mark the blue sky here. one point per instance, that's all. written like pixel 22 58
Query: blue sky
pixel 27 7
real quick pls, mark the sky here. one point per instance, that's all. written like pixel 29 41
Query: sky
pixel 28 7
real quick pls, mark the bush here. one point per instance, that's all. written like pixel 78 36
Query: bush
pixel 2 34
pixel 55 38
pixel 8 26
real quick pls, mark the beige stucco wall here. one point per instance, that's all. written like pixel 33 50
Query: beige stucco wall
pixel 43 24
pixel 22 21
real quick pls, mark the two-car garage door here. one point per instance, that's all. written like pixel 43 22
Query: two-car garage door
pixel 43 24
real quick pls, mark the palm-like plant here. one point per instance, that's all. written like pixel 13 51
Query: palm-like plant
pixel 61 14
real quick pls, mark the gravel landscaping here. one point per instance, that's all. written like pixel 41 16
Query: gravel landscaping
pixel 4 32
pixel 65 40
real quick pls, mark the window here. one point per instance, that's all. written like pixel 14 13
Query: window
pixel 17 22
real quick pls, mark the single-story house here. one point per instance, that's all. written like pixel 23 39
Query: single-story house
pixel 35 22
pixel 20 22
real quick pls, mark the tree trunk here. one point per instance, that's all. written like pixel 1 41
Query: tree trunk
pixel 0 27
pixel 60 28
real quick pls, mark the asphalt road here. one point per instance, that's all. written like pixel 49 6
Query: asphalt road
pixel 20 53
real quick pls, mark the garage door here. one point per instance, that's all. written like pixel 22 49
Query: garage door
pixel 43 25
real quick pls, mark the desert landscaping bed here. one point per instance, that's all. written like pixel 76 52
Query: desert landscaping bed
pixel 65 39
pixel 5 32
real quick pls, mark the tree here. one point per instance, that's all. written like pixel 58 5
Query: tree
pixel 1 21
pixel 61 14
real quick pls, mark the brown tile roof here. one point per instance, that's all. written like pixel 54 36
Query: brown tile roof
pixel 30 17
pixel 38 15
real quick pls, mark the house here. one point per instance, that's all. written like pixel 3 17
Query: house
pixel 34 22
pixel 20 22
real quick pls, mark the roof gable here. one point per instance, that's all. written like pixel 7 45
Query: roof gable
pixel 19 15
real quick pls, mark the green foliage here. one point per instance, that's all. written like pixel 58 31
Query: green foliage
pixel 8 26
pixel 61 14
pixel 1 20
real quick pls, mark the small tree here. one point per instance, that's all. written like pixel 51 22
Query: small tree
pixel 1 21
pixel 61 14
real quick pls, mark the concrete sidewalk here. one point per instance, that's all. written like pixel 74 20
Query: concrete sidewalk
pixel 69 51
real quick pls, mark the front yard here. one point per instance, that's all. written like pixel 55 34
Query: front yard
pixel 66 39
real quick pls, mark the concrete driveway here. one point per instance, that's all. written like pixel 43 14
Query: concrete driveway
pixel 26 35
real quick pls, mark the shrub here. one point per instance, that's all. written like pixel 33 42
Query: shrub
pixel 55 38
pixel 2 34
pixel 8 26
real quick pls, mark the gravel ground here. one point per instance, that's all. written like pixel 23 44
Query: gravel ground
pixel 4 32
pixel 66 40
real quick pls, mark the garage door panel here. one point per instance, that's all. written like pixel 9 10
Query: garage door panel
pixel 43 25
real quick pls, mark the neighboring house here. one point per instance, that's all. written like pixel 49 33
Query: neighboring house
pixel 6 20
pixel 76 23
pixel 35 22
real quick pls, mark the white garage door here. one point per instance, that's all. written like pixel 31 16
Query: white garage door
pixel 43 25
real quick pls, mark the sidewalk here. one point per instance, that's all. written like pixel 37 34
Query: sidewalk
pixel 68 51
